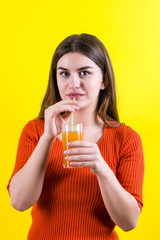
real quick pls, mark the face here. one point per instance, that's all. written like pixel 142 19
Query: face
pixel 78 76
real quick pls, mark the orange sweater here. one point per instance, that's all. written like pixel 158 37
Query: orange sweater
pixel 70 206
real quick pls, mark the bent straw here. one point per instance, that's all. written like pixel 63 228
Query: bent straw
pixel 72 117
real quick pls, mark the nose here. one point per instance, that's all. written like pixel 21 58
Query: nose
pixel 74 82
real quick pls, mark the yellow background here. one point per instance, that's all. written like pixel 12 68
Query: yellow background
pixel 30 31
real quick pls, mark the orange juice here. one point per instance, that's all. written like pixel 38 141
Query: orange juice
pixel 70 136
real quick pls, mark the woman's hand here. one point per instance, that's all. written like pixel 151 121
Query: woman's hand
pixel 121 205
pixel 54 119
pixel 86 154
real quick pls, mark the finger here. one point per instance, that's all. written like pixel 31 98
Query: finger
pixel 80 158
pixel 71 108
pixel 68 102
pixel 55 110
pixel 67 114
pixel 79 151
pixel 64 103
pixel 91 165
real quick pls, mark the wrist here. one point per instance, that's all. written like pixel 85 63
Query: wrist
pixel 47 139
pixel 105 173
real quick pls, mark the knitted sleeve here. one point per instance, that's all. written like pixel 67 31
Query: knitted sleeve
pixel 27 143
pixel 130 170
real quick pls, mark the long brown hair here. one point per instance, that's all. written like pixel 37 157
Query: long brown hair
pixel 94 49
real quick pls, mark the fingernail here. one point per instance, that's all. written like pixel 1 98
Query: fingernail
pixel 65 152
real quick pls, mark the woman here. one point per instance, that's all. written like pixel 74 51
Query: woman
pixel 86 202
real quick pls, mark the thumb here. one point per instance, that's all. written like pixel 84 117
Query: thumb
pixel 66 116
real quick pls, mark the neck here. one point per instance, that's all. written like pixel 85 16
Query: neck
pixel 87 118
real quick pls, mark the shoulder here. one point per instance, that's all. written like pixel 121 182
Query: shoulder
pixel 130 141
pixel 123 135
pixel 122 130
pixel 34 127
pixel 129 134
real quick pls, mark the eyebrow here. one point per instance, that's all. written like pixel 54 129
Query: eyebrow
pixel 82 68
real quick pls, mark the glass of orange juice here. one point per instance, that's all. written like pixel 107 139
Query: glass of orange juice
pixel 70 133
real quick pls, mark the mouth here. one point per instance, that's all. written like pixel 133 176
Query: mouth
pixel 75 95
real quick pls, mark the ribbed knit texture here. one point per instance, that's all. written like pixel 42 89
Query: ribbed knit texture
pixel 70 206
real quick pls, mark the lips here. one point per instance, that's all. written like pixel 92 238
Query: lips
pixel 76 95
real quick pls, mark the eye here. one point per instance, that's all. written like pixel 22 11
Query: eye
pixel 64 74
pixel 84 73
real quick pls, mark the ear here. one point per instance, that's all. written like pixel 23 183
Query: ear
pixel 104 83
pixel 102 86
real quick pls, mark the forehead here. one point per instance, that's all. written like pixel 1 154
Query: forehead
pixel 75 60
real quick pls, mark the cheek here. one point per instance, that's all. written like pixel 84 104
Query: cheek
pixel 60 84
pixel 61 87
pixel 94 84
pixel 93 89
